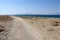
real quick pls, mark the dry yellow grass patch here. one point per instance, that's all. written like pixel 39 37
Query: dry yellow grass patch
pixel 5 18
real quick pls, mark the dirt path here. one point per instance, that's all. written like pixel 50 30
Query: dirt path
pixel 29 32
pixel 26 31
pixel 19 29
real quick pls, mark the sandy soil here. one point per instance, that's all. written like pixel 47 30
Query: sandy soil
pixel 48 27
pixel 44 21
pixel 30 29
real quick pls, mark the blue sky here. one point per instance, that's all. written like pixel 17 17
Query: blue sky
pixel 10 7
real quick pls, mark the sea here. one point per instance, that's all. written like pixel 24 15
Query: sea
pixel 50 16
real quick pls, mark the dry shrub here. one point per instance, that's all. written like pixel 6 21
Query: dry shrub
pixel 5 18
pixel 55 23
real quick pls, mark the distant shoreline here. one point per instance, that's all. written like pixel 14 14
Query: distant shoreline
pixel 48 16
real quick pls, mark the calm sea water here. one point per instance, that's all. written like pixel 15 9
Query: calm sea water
pixel 50 16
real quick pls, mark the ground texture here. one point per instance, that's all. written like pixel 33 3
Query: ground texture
pixel 17 28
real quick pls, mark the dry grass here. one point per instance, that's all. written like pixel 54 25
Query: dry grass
pixel 43 21
pixel 5 18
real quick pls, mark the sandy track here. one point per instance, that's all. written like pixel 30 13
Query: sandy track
pixel 19 29
pixel 28 32
pixel 31 33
